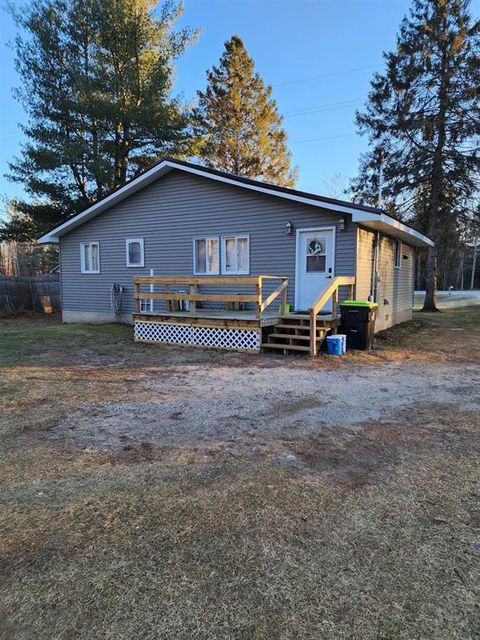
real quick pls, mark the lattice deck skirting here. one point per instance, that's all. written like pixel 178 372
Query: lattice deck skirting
pixel 236 339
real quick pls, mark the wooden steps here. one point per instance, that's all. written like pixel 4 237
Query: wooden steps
pixel 285 347
pixel 305 316
pixel 292 332
pixel 295 336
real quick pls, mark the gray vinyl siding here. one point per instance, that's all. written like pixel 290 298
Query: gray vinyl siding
pixel 396 286
pixel 168 214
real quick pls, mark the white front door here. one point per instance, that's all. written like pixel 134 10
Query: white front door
pixel 315 265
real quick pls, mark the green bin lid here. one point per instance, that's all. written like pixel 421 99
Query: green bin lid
pixel 359 303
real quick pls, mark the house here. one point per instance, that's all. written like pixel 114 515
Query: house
pixel 185 232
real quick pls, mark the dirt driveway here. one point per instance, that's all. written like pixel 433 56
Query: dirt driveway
pixel 176 493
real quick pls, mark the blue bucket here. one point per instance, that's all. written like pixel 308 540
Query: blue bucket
pixel 344 341
pixel 335 345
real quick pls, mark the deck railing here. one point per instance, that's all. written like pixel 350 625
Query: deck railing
pixel 331 292
pixel 169 295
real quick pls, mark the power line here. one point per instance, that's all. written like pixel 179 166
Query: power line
pixel 320 109
pixel 325 75
pixel 341 135
pixel 322 106
pixel 10 138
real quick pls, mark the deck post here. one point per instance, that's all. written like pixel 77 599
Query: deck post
pixel 334 309
pixel 258 310
pixel 137 292
pixel 284 296
pixel 313 332
pixel 193 303
pixel 169 303
pixel 334 302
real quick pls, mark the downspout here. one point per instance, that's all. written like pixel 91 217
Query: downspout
pixel 374 279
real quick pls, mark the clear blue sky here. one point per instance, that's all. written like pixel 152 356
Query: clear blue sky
pixel 318 55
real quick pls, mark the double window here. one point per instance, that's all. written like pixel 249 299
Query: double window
pixel 227 254
pixel 135 252
pixel 90 257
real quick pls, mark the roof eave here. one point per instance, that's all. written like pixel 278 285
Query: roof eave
pixel 361 216
pixel 48 239
pixel 390 226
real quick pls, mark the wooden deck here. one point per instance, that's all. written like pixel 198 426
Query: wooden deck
pixel 209 307
pixel 212 318
pixel 185 315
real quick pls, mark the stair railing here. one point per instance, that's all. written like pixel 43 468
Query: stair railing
pixel 329 292
pixel 279 291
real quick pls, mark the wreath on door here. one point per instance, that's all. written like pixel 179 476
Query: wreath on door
pixel 315 247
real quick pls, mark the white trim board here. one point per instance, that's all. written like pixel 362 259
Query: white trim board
pixel 165 166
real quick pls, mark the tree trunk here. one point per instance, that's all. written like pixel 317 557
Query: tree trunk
pixel 116 166
pixel 474 262
pixel 436 185
pixel 123 150
pixel 429 303
pixel 460 273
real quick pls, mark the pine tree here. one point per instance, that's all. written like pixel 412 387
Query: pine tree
pixel 239 124
pixel 425 111
pixel 96 83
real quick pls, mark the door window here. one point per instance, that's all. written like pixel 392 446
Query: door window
pixel 316 254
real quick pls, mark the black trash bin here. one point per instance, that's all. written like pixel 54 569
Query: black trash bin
pixel 358 323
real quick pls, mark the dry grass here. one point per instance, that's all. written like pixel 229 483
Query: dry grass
pixel 368 531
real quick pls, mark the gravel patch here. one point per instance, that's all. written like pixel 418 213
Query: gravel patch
pixel 243 408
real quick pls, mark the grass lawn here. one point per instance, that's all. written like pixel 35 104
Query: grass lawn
pixel 169 493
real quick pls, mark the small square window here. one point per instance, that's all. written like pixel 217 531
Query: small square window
pixel 146 306
pixel 90 257
pixel 397 254
pixel 135 253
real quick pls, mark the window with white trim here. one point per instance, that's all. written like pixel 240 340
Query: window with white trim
pixel 397 254
pixel 146 306
pixel 235 255
pixel 90 257
pixel 206 256
pixel 135 252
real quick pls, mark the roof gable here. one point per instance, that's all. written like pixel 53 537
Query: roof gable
pixel 367 216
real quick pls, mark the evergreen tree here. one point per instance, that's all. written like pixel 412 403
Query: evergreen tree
pixel 96 83
pixel 425 111
pixel 239 124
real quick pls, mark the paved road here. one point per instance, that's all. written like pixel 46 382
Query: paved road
pixel 452 298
